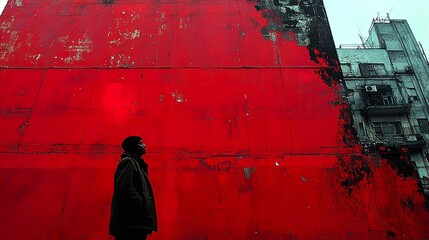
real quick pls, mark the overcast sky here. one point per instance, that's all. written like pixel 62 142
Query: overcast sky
pixel 2 4
pixel 348 18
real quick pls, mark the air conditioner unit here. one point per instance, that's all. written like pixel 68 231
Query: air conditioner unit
pixel 371 88
pixel 411 138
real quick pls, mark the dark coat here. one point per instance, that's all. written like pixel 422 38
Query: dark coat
pixel 133 202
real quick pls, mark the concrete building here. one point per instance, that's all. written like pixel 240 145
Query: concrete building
pixel 387 84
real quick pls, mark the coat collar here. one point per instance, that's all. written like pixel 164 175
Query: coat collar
pixel 139 160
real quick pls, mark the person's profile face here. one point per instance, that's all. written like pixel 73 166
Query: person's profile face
pixel 142 147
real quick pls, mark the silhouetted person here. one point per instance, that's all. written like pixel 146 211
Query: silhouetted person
pixel 133 213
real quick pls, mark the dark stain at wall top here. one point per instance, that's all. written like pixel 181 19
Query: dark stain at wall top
pixel 306 20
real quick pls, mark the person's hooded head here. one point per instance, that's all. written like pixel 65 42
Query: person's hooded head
pixel 134 144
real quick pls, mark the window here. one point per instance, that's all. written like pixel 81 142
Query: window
pixel 423 125
pixel 387 99
pixel 346 68
pixel 387 128
pixel 372 69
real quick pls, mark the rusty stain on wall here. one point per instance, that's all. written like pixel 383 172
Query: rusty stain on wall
pixel 76 49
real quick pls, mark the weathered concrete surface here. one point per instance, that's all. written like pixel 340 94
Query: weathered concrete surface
pixel 248 136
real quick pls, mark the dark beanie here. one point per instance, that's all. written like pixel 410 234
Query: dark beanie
pixel 130 143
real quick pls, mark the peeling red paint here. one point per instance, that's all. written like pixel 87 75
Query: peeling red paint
pixel 248 138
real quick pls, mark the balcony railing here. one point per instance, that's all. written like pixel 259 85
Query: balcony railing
pixel 391 106
pixel 411 141
pixel 357 74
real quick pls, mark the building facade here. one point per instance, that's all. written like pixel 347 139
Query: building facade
pixel 239 103
pixel 387 84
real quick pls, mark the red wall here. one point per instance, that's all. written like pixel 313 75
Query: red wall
pixel 247 137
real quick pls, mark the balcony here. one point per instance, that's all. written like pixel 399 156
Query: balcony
pixel 413 141
pixel 394 108
pixel 383 103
